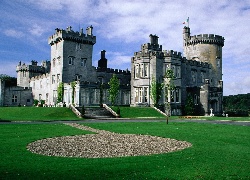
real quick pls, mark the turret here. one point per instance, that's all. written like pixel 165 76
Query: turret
pixel 205 48
pixel 71 54
pixel 186 33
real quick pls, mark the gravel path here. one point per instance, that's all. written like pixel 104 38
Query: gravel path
pixel 105 144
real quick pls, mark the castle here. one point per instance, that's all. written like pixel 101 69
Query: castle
pixel 197 73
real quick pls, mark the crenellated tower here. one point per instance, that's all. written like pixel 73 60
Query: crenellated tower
pixel 71 54
pixel 205 48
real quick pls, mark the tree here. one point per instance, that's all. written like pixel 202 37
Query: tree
pixel 4 77
pixel 156 89
pixel 60 92
pixel 189 106
pixel 113 89
pixel 9 81
pixel 169 86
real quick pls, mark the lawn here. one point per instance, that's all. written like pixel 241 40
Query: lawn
pixel 139 112
pixel 36 113
pixel 218 152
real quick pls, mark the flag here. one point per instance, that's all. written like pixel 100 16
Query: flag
pixel 186 22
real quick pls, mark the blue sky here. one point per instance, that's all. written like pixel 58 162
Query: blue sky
pixel 121 26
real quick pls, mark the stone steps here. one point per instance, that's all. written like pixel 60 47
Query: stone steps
pixel 96 113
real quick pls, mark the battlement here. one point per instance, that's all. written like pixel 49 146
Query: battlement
pixel 42 76
pixel 153 47
pixel 75 36
pixel 205 39
pixel 113 71
pixel 171 53
pixel 30 68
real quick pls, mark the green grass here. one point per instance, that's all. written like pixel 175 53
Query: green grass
pixel 139 112
pixel 213 118
pixel 218 152
pixel 36 113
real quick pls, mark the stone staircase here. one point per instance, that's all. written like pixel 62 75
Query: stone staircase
pixel 96 113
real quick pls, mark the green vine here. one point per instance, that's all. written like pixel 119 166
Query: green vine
pixel 60 92
pixel 156 89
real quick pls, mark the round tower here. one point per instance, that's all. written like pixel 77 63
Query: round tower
pixel 205 48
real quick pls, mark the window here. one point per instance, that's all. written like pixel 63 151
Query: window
pixel 59 59
pixel 14 98
pixel 41 84
pixel 71 60
pixel 178 72
pixel 202 76
pixel 54 62
pixel 40 97
pixel 137 71
pixel 47 97
pixel 53 79
pixel 142 70
pixel 218 62
pixel 78 46
pixel 136 95
pixel 58 78
pixel 172 95
pixel 83 62
pixel 145 94
pixel 174 70
pixel 177 95
pixel 146 70
pixel 141 95
pixel 193 74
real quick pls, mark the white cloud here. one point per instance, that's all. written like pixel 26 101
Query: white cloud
pixel 13 33
pixel 36 30
pixel 125 24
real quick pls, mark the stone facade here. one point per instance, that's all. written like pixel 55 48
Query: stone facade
pixel 71 61
pixel 198 73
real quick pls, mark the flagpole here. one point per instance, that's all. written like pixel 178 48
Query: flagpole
pixel 188 22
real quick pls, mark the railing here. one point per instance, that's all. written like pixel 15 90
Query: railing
pixel 75 111
pixel 110 110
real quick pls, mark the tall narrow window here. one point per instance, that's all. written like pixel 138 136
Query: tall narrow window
pixel 193 74
pixel 146 70
pixel 145 94
pixel 58 78
pixel 178 72
pixel 172 95
pixel 54 62
pixel 53 79
pixel 140 94
pixel 174 70
pixel 83 62
pixel 142 70
pixel 71 60
pixel 177 95
pixel 136 95
pixel 137 71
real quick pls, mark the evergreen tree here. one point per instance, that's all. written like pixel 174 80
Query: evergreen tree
pixel 113 89
pixel 189 106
